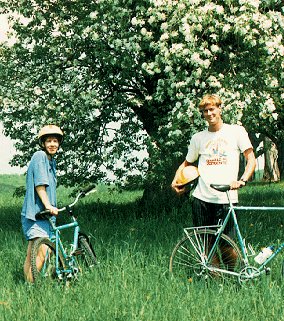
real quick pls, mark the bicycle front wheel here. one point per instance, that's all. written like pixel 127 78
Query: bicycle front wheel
pixel 189 259
pixel 43 259
pixel 87 257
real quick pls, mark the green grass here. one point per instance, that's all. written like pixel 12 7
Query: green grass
pixel 132 281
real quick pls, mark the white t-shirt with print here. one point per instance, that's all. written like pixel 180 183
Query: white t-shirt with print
pixel 218 154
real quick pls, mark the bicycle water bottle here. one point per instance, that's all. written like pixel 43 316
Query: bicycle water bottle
pixel 264 254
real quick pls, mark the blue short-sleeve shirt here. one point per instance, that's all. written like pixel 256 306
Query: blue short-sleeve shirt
pixel 41 171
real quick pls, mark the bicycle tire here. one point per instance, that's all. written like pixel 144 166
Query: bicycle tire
pixel 87 257
pixel 48 268
pixel 187 259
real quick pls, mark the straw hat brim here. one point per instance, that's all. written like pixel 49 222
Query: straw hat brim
pixel 187 175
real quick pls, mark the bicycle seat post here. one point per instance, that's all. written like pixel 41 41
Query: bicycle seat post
pixel 229 199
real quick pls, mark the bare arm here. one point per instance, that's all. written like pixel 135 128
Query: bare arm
pixel 249 169
pixel 41 191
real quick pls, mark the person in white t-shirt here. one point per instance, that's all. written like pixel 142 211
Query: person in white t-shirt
pixel 217 150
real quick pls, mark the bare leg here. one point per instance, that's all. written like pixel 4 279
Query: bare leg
pixel 27 264
pixel 39 260
pixel 229 257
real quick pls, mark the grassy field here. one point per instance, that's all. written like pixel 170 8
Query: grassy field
pixel 132 281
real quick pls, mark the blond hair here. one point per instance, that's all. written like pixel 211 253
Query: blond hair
pixel 210 100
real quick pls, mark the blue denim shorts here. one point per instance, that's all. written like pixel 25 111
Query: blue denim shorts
pixel 33 229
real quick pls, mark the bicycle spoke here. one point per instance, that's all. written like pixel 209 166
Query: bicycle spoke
pixel 190 256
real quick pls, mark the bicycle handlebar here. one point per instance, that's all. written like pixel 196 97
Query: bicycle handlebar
pixel 87 190
pixel 46 213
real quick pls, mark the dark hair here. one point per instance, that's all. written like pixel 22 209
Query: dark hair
pixel 44 138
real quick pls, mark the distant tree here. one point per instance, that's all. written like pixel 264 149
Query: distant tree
pixel 121 77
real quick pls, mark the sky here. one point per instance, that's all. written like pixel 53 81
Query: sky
pixel 7 149
pixel 3 27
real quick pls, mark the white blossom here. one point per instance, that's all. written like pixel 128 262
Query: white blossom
pixel 176 47
pixel 274 83
pixel 164 36
pixel 269 104
pixel 164 26
pixel 206 63
pixel 143 31
pixel 226 28
pixel 168 68
pixel 134 21
pixel 219 9
pixel 195 58
pixel 82 56
pixel 93 15
pixel 37 91
pixel 214 48
pixel 151 20
pixel 267 24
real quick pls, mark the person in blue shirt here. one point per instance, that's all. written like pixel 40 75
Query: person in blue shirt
pixel 40 191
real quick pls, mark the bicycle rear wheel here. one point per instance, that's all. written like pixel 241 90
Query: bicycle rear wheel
pixel 43 259
pixel 87 258
pixel 189 259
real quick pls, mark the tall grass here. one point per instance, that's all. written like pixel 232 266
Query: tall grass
pixel 132 280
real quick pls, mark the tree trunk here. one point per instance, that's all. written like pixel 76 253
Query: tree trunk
pixel 158 195
pixel 280 159
pixel 271 169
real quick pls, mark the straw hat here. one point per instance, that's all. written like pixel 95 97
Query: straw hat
pixel 187 175
pixel 50 130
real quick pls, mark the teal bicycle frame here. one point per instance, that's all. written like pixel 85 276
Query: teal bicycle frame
pixel 232 214
pixel 71 266
pixel 66 264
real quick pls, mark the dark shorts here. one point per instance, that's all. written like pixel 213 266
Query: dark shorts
pixel 204 214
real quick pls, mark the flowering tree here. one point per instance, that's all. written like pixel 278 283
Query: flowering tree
pixel 123 77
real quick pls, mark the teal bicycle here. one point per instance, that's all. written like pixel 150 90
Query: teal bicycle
pixel 50 258
pixel 207 252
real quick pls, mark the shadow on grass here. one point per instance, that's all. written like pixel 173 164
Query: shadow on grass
pixel 18 276
pixel 152 227
pixel 11 219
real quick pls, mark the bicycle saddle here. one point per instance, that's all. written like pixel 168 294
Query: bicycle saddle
pixel 221 188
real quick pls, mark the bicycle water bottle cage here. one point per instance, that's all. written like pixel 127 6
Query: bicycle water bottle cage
pixel 221 188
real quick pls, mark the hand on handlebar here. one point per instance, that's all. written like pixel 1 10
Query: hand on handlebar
pixel 52 210
pixel 237 184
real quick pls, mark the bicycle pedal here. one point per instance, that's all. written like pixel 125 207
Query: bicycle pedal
pixel 267 270
pixel 76 271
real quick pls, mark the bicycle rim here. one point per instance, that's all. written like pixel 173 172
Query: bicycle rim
pixel 189 259
pixel 43 260
pixel 86 255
